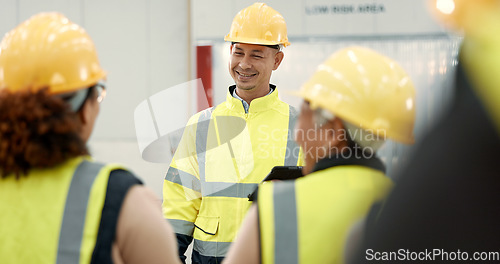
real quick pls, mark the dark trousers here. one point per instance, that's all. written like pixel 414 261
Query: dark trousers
pixel 196 258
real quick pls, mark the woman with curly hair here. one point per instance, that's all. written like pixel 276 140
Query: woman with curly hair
pixel 57 205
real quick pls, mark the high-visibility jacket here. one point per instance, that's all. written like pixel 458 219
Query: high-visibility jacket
pixel 308 220
pixel 53 215
pixel 223 155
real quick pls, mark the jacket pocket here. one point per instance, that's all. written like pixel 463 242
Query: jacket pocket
pixel 207 224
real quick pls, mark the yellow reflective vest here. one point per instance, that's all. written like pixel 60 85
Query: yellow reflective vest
pixel 308 220
pixel 53 215
pixel 223 155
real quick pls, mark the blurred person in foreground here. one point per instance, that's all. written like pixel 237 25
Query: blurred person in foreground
pixel 227 150
pixel 58 205
pixel 445 206
pixel 356 99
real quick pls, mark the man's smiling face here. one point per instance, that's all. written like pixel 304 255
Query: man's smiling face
pixel 251 65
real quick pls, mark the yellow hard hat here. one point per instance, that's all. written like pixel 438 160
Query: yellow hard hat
pixel 366 89
pixel 463 15
pixel 258 24
pixel 479 20
pixel 48 51
pixel 448 12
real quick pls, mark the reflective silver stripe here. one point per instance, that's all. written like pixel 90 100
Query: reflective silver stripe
pixel 228 189
pixel 292 149
pixel 285 223
pixel 182 226
pixel 211 249
pixel 75 211
pixel 201 139
pixel 183 178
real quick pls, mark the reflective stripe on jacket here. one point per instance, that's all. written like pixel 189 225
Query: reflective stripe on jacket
pixel 223 155
pixel 307 220
pixel 53 215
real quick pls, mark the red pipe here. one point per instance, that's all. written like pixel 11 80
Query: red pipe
pixel 204 71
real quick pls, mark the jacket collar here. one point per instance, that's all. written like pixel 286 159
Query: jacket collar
pixel 257 105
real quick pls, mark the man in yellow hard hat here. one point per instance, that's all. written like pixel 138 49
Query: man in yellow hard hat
pixel 445 206
pixel 227 150
pixel 58 205
pixel 356 99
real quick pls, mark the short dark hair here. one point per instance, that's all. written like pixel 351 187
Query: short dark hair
pixel 270 46
pixel 273 46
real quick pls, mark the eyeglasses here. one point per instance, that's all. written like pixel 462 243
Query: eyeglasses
pixel 78 98
pixel 100 88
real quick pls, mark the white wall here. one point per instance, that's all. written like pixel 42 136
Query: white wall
pixel 143 46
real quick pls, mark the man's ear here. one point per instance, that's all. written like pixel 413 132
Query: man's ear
pixel 277 59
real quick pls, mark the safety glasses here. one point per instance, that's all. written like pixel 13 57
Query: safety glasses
pixel 100 88
pixel 76 100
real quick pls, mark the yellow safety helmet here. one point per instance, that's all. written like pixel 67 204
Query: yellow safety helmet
pixel 366 89
pixel 258 24
pixel 480 51
pixel 48 51
pixel 464 15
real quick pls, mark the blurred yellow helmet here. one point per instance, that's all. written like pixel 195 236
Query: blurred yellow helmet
pixel 464 15
pixel 48 51
pixel 258 24
pixel 366 89
pixel 479 20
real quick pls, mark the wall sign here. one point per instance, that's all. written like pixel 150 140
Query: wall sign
pixel 320 10
pixel 364 17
